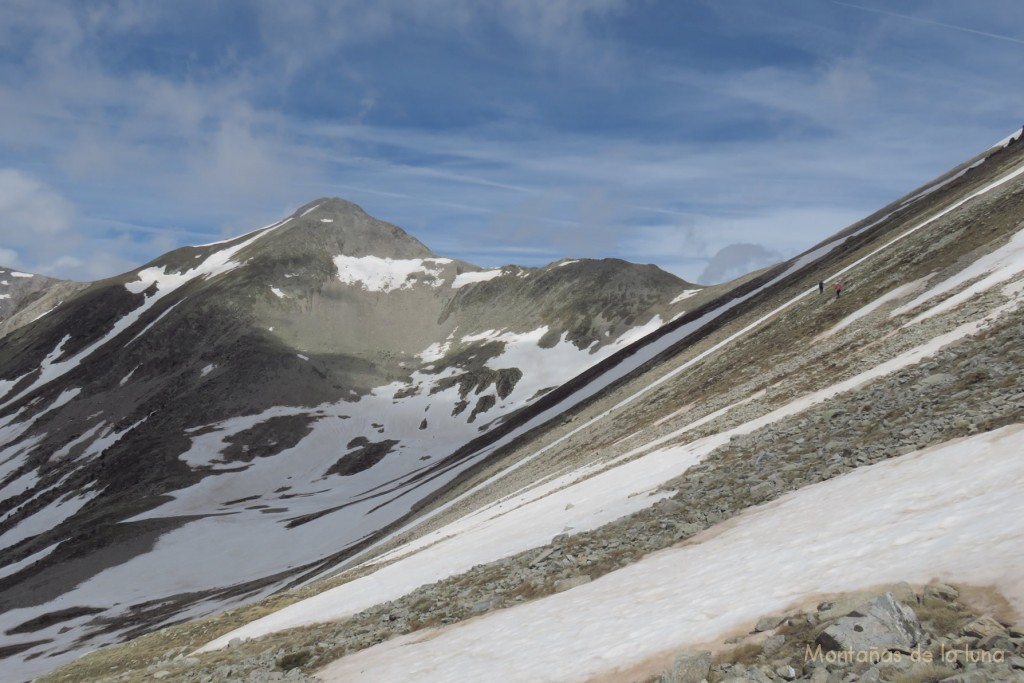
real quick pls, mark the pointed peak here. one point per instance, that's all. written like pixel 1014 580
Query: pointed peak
pixel 330 206
pixel 334 226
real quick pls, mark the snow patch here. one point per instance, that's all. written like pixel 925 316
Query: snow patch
pixel 16 567
pixel 47 312
pixel 463 279
pixel 434 352
pixel 85 436
pixel 994 268
pixel 17 274
pixel 685 294
pixel 215 264
pixel 160 317
pixel 637 333
pixel 62 400
pixel 376 274
pixel 277 292
pixel 19 485
pixel 124 380
pixel 43 520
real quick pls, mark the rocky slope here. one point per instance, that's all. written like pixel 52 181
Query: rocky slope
pixel 300 388
pixel 26 297
pixel 774 446
pixel 765 449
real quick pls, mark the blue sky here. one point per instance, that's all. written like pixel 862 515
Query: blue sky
pixel 510 131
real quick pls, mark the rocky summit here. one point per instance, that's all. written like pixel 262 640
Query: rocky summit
pixel 308 454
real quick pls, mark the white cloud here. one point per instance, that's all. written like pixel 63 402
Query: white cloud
pixel 735 260
pixel 30 208
pixel 9 258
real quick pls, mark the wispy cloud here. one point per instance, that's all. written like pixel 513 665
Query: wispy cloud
pixel 931 22
pixel 522 129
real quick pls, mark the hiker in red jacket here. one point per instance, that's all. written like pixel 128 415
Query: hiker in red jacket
pixel 839 289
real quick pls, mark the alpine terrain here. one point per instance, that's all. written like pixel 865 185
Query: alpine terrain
pixel 392 466
pixel 233 418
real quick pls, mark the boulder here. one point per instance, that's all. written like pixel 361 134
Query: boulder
pixel 691 667
pixel 884 624
pixel 937 379
pixel 772 644
pixel 768 623
pixel 820 675
pixel 984 627
pixel 786 672
pixel 941 591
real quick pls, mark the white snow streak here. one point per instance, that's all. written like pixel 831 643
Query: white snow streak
pixel 685 294
pixel 994 268
pixel 463 279
pixel 15 567
pixel 47 312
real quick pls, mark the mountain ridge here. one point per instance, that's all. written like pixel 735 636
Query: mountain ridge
pixel 735 411
pixel 200 385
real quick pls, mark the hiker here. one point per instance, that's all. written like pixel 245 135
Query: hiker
pixel 839 289
pixel 821 286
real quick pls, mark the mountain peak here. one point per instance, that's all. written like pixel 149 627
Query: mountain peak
pixel 331 226
pixel 330 205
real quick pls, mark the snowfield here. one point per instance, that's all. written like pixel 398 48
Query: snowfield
pixel 463 279
pixel 914 518
pixel 376 274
